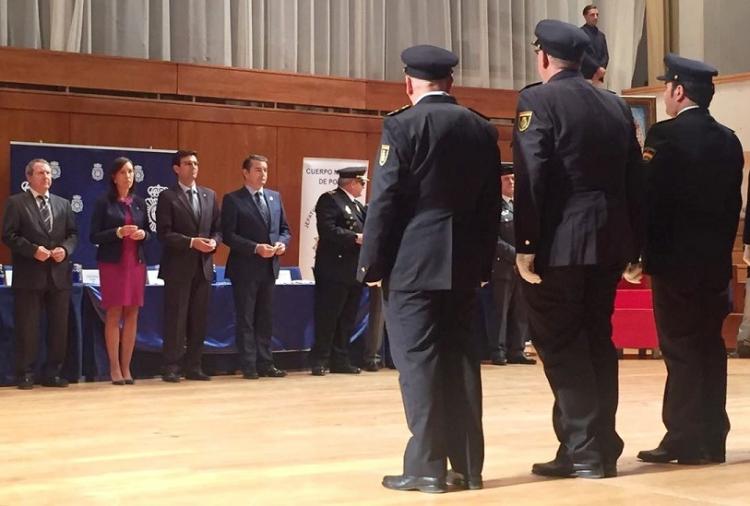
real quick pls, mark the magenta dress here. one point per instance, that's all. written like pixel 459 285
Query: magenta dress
pixel 122 283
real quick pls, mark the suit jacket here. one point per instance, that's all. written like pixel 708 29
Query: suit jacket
pixel 597 52
pixel 108 215
pixel 24 232
pixel 243 229
pixel 578 171
pixel 338 224
pixel 694 168
pixel 176 224
pixel 505 250
pixel 432 219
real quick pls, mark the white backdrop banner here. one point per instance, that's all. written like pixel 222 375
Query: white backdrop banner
pixel 318 176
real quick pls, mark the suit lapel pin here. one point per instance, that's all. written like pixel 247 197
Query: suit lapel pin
pixel 270 198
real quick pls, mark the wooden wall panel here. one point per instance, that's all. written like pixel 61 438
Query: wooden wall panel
pixel 57 68
pixel 295 144
pixel 123 131
pixel 26 126
pixel 205 81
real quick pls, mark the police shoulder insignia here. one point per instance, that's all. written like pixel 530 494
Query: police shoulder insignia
pixel 524 120
pixel 648 154
pixel 384 150
pixel 400 109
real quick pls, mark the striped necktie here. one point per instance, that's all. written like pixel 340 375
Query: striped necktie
pixel 46 214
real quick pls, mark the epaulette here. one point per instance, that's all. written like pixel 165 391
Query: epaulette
pixel 530 86
pixel 400 110
pixel 479 114
pixel 332 192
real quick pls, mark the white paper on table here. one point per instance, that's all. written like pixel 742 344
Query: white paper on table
pixel 8 277
pixel 285 277
pixel 90 277
pixel 152 276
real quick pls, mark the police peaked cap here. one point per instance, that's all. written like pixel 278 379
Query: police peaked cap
pixel 428 62
pixel 561 40
pixel 685 69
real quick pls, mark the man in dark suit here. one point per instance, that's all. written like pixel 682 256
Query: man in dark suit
pixel 340 217
pixel 694 165
pixel 188 223
pixel 508 325
pixel 430 236
pixel 577 174
pixel 596 56
pixel 255 229
pixel 40 230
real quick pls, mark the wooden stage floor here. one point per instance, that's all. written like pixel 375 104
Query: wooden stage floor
pixel 328 440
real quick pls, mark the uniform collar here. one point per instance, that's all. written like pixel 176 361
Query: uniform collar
pixel 430 94
pixel 351 197
pixel 566 74
pixel 688 109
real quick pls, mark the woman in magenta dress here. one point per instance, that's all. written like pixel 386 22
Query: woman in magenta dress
pixel 119 226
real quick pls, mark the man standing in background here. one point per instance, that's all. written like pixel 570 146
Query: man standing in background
pixel 340 218
pixel 40 230
pixel 596 57
pixel 188 225
pixel 255 229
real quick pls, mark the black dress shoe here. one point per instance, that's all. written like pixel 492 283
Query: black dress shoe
pixel 197 376
pixel 318 370
pixel 499 360
pixel 422 483
pixel 129 381
pixel 372 366
pixel 272 372
pixel 661 455
pixel 25 382
pixel 522 359
pixel 345 369
pixel 460 480
pixel 118 382
pixel 557 469
pixel 250 374
pixel 55 381
pixel 170 377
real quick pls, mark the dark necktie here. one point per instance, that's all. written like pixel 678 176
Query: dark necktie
pixel 262 207
pixel 358 211
pixel 46 214
pixel 193 198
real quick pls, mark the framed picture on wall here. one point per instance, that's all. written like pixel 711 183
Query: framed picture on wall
pixel 644 114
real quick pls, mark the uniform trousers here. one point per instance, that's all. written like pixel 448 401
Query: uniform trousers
pixel 438 359
pixel 570 316
pixel 506 320
pixel 335 310
pixel 690 309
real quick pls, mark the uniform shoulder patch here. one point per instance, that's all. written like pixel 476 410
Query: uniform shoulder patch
pixel 524 120
pixel 648 153
pixel 399 110
pixel 479 114
pixel 385 149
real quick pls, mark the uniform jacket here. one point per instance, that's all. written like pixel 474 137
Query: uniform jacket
pixel 243 229
pixel 505 250
pixel 176 224
pixel 337 252
pixel 432 218
pixel 108 215
pixel 578 175
pixel 694 170
pixel 24 232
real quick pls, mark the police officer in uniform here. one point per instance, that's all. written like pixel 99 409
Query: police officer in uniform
pixel 340 218
pixel 694 169
pixel 430 236
pixel 508 326
pixel 577 175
